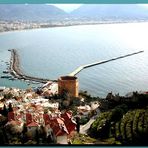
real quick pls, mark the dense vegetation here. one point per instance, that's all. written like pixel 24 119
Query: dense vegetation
pixel 125 124
pixel 82 139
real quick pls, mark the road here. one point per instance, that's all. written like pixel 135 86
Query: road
pixel 85 127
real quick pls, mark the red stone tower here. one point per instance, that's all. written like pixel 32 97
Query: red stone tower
pixel 69 84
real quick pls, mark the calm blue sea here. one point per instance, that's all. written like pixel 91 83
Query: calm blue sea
pixel 52 52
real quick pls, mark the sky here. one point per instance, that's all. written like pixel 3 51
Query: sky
pixel 67 7
pixel 71 7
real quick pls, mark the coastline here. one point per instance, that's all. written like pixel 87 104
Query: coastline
pixel 16 71
pixel 94 93
pixel 77 24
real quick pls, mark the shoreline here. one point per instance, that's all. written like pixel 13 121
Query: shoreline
pixel 77 24
pixel 15 70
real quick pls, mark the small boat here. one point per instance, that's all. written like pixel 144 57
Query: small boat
pixel 6 77
pixel 5 71
pixel 34 82
pixel 22 79
pixel 11 79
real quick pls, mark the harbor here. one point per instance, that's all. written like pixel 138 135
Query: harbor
pixel 16 72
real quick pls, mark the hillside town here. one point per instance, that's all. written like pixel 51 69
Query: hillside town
pixel 29 114
pixel 10 25
pixel 31 117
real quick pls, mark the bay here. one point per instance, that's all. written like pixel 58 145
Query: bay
pixel 53 52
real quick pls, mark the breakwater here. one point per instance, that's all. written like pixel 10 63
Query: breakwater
pixel 75 72
pixel 15 69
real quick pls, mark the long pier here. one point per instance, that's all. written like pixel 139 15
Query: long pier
pixel 76 71
pixel 17 73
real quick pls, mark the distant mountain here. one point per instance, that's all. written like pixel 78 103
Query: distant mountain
pixel 111 11
pixel 43 12
pixel 33 12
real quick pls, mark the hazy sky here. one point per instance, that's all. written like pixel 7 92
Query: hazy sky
pixel 67 7
pixel 71 7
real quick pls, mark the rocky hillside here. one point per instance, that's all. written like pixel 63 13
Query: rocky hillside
pixel 30 12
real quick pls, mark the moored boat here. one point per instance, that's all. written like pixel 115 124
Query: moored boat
pixel 7 77
pixel 11 79
pixel 5 71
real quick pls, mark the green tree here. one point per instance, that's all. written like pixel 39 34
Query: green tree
pixel 2 137
pixel 4 111
pixel 8 96
pixel 78 124
pixel 10 109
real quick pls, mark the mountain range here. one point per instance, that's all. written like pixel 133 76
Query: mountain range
pixel 33 12
pixel 44 12
pixel 111 11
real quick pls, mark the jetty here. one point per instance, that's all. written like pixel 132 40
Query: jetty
pixel 80 68
pixel 15 69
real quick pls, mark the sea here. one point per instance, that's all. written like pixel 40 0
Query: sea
pixel 57 51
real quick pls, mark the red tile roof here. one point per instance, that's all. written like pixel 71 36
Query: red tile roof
pixel 69 123
pixel 28 118
pixel 71 127
pixel 32 124
pixel 59 127
pixel 11 116
pixel 46 119
pixel 69 114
